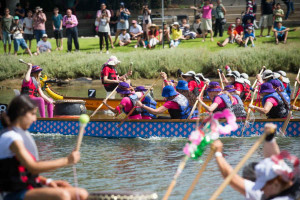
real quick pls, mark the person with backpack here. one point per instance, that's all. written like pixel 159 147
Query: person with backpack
pixel 123 16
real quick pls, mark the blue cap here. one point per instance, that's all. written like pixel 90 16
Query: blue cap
pixel 169 91
pixel 182 85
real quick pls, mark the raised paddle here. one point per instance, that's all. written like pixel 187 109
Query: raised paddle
pixel 254 84
pixel 99 107
pixel 249 110
pixel 295 85
pixel 196 103
pixel 286 122
pixel 84 120
pixel 22 61
pixel 240 164
pixel 221 79
pixel 131 111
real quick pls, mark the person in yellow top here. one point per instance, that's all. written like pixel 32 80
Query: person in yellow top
pixel 176 35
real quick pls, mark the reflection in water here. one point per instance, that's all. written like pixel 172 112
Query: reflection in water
pixel 146 164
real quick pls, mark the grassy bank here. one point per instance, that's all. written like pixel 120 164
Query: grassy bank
pixel 190 55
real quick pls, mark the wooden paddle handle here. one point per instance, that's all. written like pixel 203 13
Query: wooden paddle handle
pixel 248 111
pixel 195 105
pixel 255 82
pixel 238 167
pixel 222 85
pixel 202 169
pixel 99 107
pixel 80 136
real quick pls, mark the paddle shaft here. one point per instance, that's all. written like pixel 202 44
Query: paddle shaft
pixel 221 79
pixel 80 136
pixel 99 107
pixel 195 105
pixel 249 110
pixel 131 111
pixel 295 85
pixel 202 169
pixel 254 84
pixel 238 167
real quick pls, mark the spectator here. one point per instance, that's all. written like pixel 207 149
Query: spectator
pixel 176 35
pixel 220 19
pixel 249 35
pixel 123 16
pixel 20 12
pixel 267 16
pixel 39 20
pixel 136 33
pixel 233 34
pixel 57 28
pixel 238 27
pixel 281 33
pixel 153 36
pixel 146 17
pixel 109 17
pixel 28 28
pixel 251 10
pixel 164 34
pixel 103 24
pixel 206 24
pixel 17 31
pixel 6 24
pixel 289 6
pixel 43 46
pixel 113 23
pixel 197 27
pixel 278 14
pixel 124 38
pixel 185 27
pixel 70 22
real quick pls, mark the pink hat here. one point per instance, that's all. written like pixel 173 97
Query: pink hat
pixel 134 22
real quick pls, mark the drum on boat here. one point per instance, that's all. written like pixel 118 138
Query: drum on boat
pixel 69 108
pixel 122 196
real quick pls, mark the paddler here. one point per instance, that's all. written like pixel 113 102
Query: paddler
pixel 247 87
pixel 193 82
pixel 203 81
pixel 19 159
pixel 220 100
pixel 31 86
pixel 276 104
pixel 237 105
pixel 238 83
pixel 176 104
pixel 109 75
pixel 285 81
pixel 147 101
pixel 129 99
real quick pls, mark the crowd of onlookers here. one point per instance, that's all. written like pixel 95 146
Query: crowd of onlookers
pixel 28 24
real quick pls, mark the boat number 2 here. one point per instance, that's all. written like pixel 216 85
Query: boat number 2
pixel 92 93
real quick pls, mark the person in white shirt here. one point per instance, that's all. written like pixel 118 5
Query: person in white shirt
pixel 244 185
pixel 136 33
pixel 43 45
pixel 146 12
pixel 28 28
pixel 124 38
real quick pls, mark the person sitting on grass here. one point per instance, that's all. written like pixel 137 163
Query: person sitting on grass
pixel 185 27
pixel 249 35
pixel 153 36
pixel 233 35
pixel 281 33
pixel 164 34
pixel 43 46
pixel 176 35
pixel 17 30
pixel 124 38
pixel 197 27
pixel 136 33
pixel 19 159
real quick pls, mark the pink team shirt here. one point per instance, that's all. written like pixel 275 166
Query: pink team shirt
pixel 171 105
pixel 207 11
pixel 273 101
pixel 73 19
pixel 128 106
pixel 235 101
pixel 220 102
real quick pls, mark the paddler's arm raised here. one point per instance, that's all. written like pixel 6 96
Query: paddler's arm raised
pixel 28 73
pixel 156 111
pixel 36 167
pixel 270 146
pixel 266 109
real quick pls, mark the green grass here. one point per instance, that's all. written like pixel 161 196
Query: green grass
pixel 194 55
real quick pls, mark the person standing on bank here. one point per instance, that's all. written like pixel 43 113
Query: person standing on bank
pixel 57 28
pixel 206 24
pixel 220 19
pixel 103 28
pixel 70 22
pixel 39 20
pixel 6 24
pixel 146 18
pixel 123 16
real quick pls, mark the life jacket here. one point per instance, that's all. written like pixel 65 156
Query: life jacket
pixel 238 109
pixel 293 192
pixel 32 89
pixel 113 75
pixel 246 92
pixel 227 102
pixel 149 102
pixel 13 176
pixel 195 91
pixel 184 108
pixel 138 110
pixel 281 110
